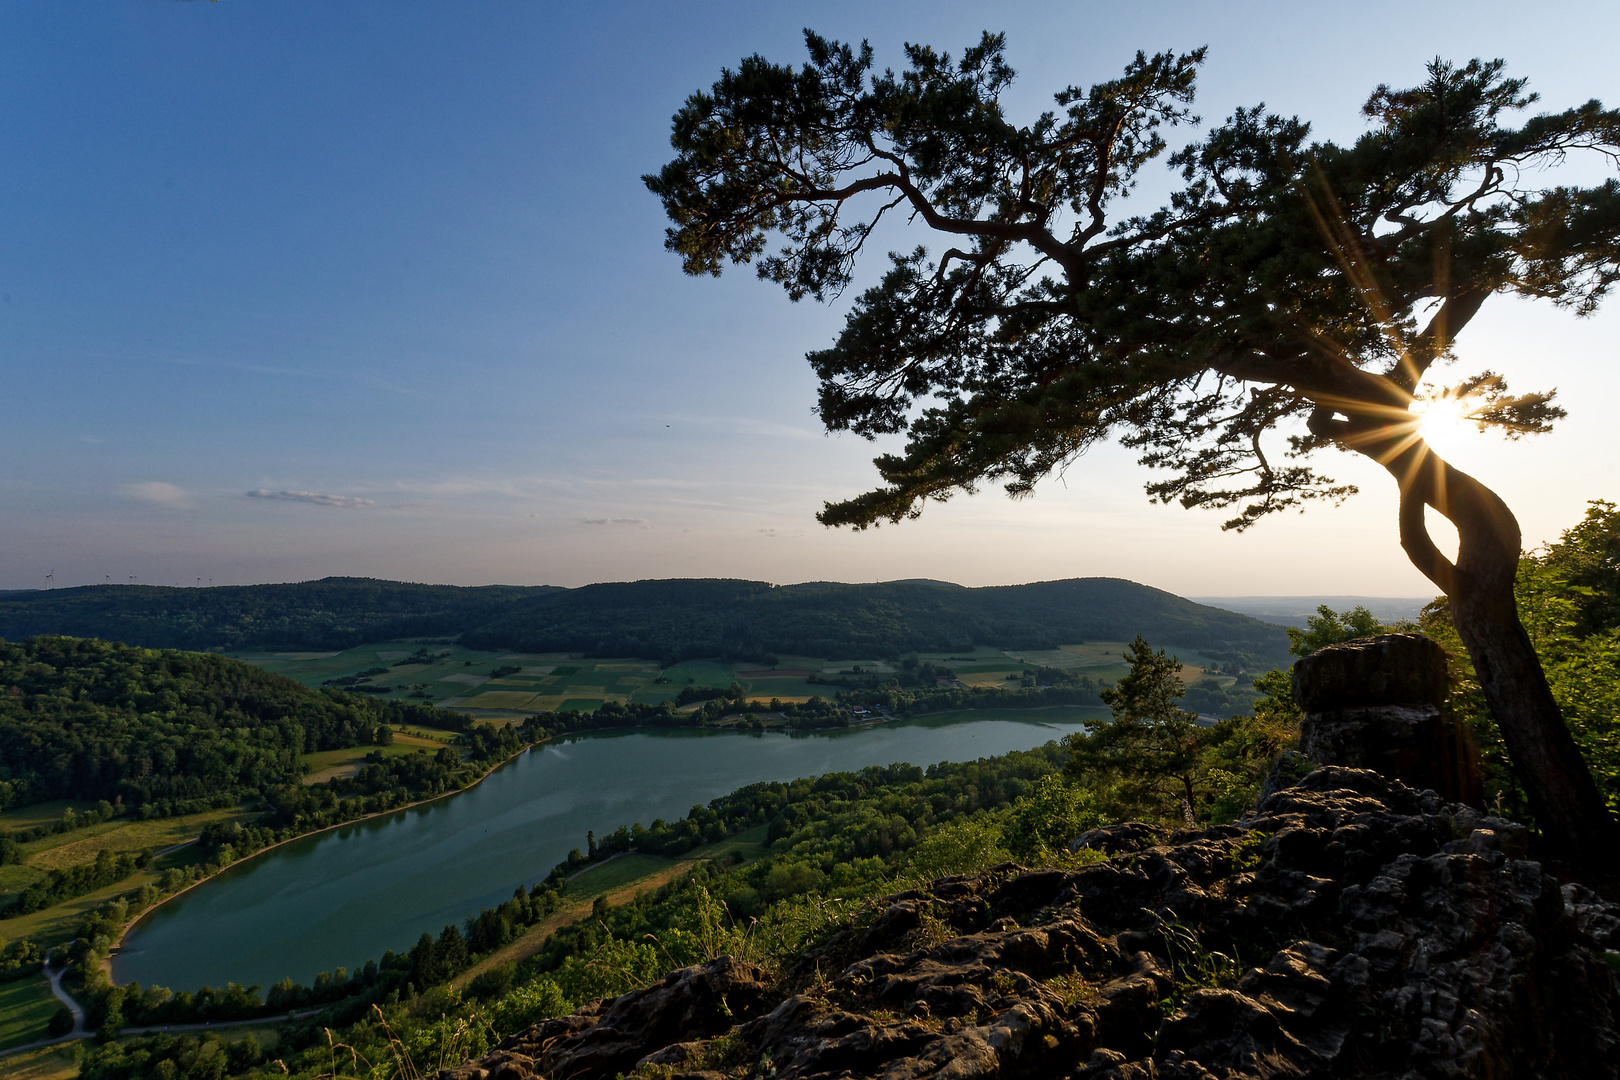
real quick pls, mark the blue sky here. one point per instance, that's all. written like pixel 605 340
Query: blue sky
pixel 295 289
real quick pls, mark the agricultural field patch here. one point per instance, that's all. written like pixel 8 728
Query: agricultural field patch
pixel 58 922
pixel 500 699
pixel 25 1006
pixel 750 844
pixel 991 676
pixel 836 667
pixel 121 835
pixel 466 679
pixel 448 673
pixel 45 813
pixel 604 877
pixel 580 705
pixel 785 688
pixel 429 735
pixel 589 690
pixel 633 666
pixel 47 1063
pixel 700 673
pixel 977 654
pixel 330 764
pixel 655 693
pixel 15 877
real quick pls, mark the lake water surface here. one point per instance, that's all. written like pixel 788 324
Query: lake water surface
pixel 345 896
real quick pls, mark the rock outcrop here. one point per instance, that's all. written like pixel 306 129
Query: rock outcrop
pixel 1379 703
pixel 1349 927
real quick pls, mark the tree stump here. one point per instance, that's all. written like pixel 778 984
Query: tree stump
pixel 1380 703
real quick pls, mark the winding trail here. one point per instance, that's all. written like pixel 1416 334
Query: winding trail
pixel 78 1032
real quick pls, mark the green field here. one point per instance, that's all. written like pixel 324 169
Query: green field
pixel 749 844
pixel 463 679
pixel 453 675
pixel 120 835
pixel 25 1006
pixel 45 813
pixel 81 846
pixel 330 764
pixel 626 869
pixel 604 877
pixel 785 688
pixel 50 1063
pixel 56 923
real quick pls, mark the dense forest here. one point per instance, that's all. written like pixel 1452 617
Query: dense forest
pixel 333 613
pixel 85 719
pixel 679 619
pixel 665 620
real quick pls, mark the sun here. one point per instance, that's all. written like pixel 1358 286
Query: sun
pixel 1445 423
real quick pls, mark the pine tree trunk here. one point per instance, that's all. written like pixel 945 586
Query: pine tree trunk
pixel 1479 588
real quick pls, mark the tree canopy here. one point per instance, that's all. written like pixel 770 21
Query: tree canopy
pixel 83 719
pixel 1290 295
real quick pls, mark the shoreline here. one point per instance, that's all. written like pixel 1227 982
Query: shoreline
pixel 118 943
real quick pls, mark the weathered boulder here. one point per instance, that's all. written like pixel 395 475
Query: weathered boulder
pixel 1379 703
pixel 1350 927
pixel 1391 669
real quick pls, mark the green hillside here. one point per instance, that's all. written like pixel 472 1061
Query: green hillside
pixel 665 620
pixel 333 613
pixel 82 719
pixel 678 619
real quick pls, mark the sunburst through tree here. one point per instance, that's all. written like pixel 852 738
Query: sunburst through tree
pixel 1290 296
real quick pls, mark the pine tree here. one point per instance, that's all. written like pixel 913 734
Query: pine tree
pixel 1153 743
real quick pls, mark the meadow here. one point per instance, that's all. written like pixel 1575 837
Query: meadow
pixel 330 764
pixel 25 1006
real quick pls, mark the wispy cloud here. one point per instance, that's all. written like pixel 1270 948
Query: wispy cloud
pixel 159 492
pixel 622 522
pixel 347 502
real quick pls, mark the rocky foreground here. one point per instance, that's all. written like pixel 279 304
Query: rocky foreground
pixel 1349 927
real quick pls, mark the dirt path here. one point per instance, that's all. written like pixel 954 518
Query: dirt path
pixel 536 935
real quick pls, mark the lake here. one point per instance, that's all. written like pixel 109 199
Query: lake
pixel 345 896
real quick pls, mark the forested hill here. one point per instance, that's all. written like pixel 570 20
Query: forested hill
pixel 333 613
pixel 86 719
pixel 684 618
pixel 664 620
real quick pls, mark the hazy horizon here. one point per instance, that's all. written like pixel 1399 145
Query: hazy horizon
pixel 1201 599
pixel 375 290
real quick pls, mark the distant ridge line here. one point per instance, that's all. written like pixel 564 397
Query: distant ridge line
pixel 667 619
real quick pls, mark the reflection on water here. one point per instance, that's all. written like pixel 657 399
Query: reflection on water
pixel 345 896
